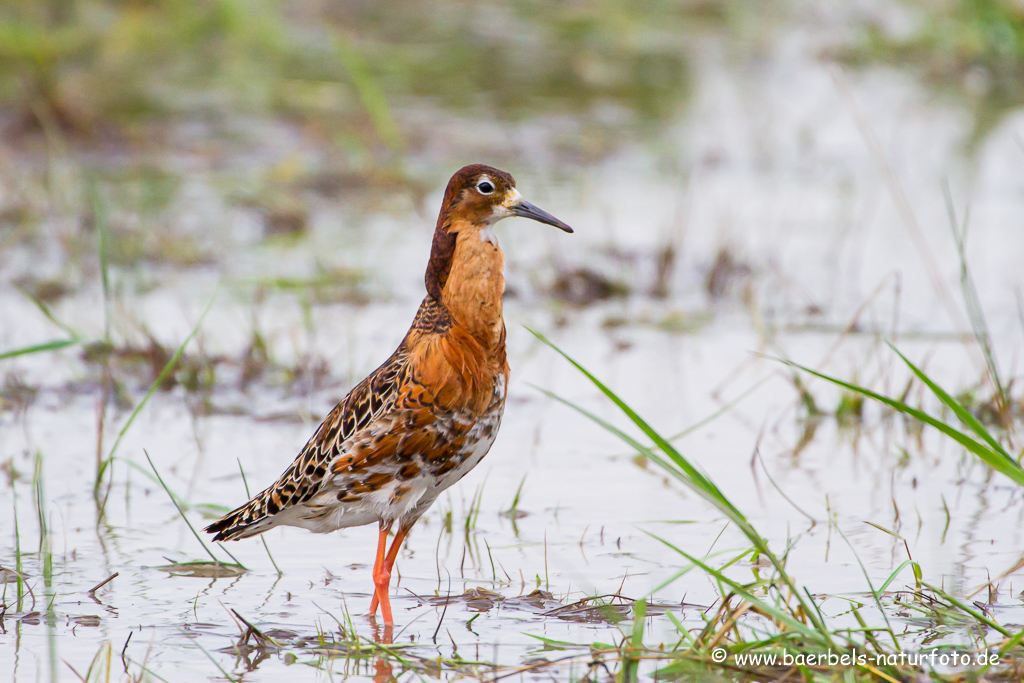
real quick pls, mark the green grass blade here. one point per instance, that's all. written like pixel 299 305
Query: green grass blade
pixel 733 514
pixel 18 567
pixel 701 483
pixel 906 563
pixel 1009 645
pixel 875 594
pixel 684 634
pixel 370 94
pixel 182 513
pixel 167 370
pixel 39 348
pixel 741 590
pixel 685 570
pixel 245 482
pixel 631 664
pixel 48 314
pixel 164 373
pixel 682 470
pixel 994 459
pixel 975 613
pixel 962 413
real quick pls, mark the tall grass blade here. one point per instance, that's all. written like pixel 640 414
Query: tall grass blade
pixel 631 664
pixel 875 594
pixel 39 348
pixel 245 482
pixel 73 336
pixel 747 594
pixel 164 373
pixel 370 94
pixel 681 468
pixel 989 452
pixel 962 413
pixel 975 613
pixel 48 314
pixel 915 568
pixel 18 565
pixel 975 313
pixel 182 513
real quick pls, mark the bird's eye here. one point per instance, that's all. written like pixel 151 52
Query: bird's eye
pixel 485 187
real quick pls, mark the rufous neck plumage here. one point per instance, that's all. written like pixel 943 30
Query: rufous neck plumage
pixel 472 292
pixel 465 274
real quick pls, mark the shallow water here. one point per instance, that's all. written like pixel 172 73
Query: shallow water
pixel 772 159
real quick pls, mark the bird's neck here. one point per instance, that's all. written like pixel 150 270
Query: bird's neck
pixel 474 286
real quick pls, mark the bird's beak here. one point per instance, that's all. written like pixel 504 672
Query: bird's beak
pixel 527 210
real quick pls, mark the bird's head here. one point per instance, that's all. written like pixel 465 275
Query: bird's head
pixel 476 198
pixel 482 195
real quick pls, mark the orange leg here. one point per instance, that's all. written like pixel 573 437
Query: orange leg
pixel 382 573
pixel 378 568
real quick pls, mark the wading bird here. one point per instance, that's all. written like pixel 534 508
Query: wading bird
pixel 430 413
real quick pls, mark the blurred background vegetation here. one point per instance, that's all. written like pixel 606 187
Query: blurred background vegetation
pixel 974 49
pixel 393 95
pixel 93 65
pixel 111 69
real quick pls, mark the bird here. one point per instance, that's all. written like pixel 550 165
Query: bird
pixel 427 416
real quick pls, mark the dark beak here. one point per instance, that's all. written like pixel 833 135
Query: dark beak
pixel 528 210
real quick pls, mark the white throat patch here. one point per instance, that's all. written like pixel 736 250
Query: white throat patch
pixel 488 234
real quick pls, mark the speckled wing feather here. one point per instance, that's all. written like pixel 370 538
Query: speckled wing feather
pixel 370 400
pixel 396 467
pixel 369 436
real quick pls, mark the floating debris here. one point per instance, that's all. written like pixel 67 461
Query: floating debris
pixel 726 273
pixel 583 287
pixel 482 600
pixel 8 576
pixel 203 570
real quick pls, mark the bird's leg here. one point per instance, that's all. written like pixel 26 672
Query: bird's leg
pixel 396 545
pixel 382 575
pixel 378 576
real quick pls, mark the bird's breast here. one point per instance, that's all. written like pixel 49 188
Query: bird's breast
pixel 457 373
pixel 473 291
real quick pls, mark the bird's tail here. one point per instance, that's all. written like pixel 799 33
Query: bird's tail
pixel 248 520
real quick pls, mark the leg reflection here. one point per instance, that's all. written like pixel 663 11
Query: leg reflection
pixel 383 671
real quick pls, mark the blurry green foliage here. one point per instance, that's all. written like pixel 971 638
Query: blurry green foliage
pixel 973 47
pixel 87 63
pixel 524 56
